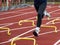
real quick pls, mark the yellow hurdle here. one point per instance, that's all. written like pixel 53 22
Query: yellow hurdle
pixel 1 28
pixel 23 38
pixel 55 28
pixel 53 21
pixel 27 21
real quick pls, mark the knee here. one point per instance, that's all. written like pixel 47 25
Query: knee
pixel 39 16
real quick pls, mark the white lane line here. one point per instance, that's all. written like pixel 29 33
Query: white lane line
pixel 26 13
pixel 57 13
pixel 54 22
pixel 17 28
pixel 17 36
pixel 30 12
pixel 15 11
pixel 24 27
pixel 54 11
pixel 32 17
pixel 29 19
pixel 9 24
pixel 12 24
pixel 24 10
pixel 50 21
pixel 17 15
pixel 27 26
pixel 44 33
pixel 28 36
pixel 17 22
pixel 28 31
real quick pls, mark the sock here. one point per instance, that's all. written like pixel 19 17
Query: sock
pixel 37 29
pixel 47 14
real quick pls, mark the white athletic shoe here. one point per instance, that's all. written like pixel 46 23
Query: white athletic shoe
pixel 36 32
pixel 47 14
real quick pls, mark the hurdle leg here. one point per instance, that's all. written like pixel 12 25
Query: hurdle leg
pixel 53 21
pixel 26 21
pixel 1 28
pixel 15 39
pixel 55 28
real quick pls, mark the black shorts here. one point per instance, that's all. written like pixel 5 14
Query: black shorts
pixel 38 5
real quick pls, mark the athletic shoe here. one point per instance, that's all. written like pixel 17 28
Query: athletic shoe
pixel 35 34
pixel 47 14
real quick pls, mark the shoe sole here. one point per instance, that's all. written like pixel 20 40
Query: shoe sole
pixel 35 34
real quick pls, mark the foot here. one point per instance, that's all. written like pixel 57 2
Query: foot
pixel 48 15
pixel 36 32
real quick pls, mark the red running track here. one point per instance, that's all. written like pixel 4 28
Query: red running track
pixel 11 18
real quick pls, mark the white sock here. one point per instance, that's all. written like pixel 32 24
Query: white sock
pixel 46 13
pixel 37 29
